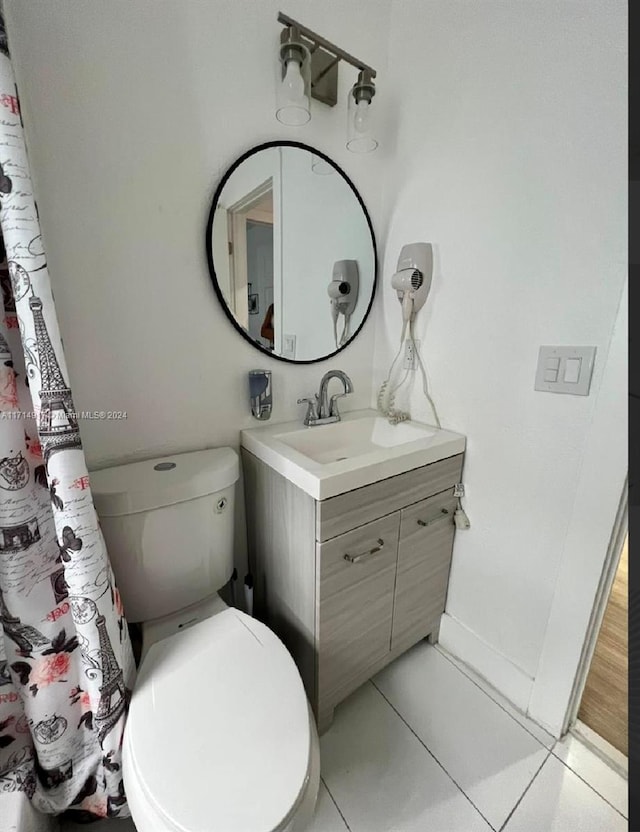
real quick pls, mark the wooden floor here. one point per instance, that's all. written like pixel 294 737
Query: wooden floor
pixel 604 701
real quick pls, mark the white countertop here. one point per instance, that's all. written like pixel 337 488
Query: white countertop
pixel 370 461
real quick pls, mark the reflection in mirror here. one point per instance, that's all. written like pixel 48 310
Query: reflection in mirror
pixel 287 234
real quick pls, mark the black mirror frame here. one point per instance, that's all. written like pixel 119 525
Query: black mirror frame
pixel 209 245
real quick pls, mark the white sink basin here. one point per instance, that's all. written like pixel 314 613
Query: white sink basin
pixel 326 460
pixel 348 439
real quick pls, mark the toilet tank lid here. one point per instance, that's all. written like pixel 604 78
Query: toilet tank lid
pixel 142 486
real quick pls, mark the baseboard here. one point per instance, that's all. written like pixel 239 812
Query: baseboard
pixel 508 679
pixel 603 749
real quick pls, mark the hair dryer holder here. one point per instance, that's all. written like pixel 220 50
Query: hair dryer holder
pixel 343 289
pixel 412 280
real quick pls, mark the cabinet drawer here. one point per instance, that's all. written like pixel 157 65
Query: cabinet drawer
pixel 347 511
pixel 424 560
pixel 356 606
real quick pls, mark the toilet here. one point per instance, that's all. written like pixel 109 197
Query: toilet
pixel 220 736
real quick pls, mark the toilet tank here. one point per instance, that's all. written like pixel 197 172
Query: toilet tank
pixel 168 525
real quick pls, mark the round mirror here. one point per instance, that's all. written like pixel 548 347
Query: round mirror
pixel 291 252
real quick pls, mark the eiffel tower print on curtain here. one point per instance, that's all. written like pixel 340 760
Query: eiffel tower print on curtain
pixel 57 422
pixel 24 635
pixel 114 696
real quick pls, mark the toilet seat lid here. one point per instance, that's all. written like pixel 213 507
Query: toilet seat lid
pixel 218 731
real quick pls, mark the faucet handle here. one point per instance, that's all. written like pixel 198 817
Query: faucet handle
pixel 333 404
pixel 312 409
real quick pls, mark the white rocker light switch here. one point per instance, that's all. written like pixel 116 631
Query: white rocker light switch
pixel 572 370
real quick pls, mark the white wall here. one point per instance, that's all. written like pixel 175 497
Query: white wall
pixel 588 536
pixel 133 111
pixel 510 158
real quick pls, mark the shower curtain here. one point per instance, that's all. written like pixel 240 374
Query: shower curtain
pixel 66 665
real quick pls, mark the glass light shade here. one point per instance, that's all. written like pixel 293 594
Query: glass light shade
pixel 360 125
pixel 293 98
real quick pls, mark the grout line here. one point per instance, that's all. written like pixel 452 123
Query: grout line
pixel 445 655
pixel 519 801
pixel 428 750
pixel 587 783
pixel 335 803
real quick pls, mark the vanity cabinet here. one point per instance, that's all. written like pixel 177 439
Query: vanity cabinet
pixel 350 582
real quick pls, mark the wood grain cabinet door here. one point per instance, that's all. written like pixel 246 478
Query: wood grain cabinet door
pixel 356 579
pixel 424 560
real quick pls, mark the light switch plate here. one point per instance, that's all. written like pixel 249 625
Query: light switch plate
pixel 547 358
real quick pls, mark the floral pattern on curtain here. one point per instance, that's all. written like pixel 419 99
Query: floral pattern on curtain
pixel 66 664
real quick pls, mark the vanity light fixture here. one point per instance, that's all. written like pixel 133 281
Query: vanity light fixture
pixel 309 69
pixel 294 90
pixel 360 132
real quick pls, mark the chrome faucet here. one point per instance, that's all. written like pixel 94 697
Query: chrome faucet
pixel 321 409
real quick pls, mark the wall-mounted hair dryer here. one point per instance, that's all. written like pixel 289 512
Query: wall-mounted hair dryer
pixel 412 281
pixel 343 294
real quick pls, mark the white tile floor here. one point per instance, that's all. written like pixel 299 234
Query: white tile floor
pixel 425 746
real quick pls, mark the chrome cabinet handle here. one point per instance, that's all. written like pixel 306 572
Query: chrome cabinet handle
pixel 363 555
pixel 443 512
